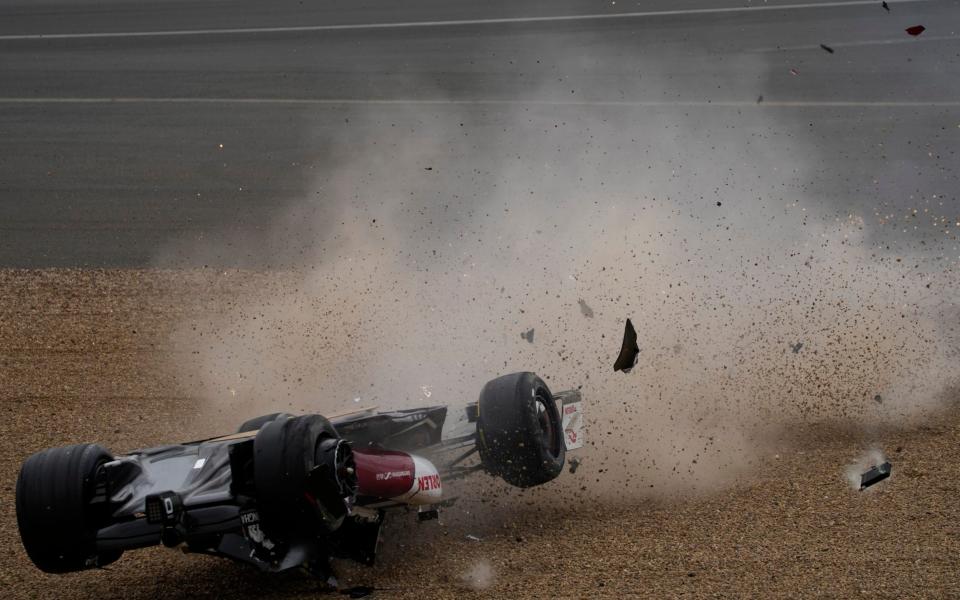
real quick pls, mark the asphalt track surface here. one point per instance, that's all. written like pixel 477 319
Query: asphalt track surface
pixel 112 114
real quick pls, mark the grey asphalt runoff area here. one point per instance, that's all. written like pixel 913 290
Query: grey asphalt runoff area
pixel 128 127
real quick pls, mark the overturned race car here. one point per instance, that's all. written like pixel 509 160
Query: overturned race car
pixel 288 491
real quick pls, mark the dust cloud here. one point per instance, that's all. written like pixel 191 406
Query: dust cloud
pixel 479 576
pixel 442 236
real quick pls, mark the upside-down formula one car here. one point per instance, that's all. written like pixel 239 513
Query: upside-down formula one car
pixel 288 491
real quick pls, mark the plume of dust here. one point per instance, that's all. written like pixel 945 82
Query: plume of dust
pixel 427 277
pixel 479 576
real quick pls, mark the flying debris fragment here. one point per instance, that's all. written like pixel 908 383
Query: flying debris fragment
pixel 629 350
pixel 796 347
pixel 916 30
pixel 875 475
pixel 827 48
pixel 527 335
pixel 586 310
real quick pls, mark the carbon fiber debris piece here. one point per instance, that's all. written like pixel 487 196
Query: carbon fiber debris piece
pixel 875 475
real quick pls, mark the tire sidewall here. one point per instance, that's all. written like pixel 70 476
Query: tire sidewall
pixel 509 431
pixel 57 525
pixel 284 454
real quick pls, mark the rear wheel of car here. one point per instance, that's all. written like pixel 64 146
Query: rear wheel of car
pixel 519 431
pixel 285 452
pixel 258 422
pixel 58 524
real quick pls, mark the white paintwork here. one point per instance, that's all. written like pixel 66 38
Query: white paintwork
pixel 427 487
pixel 573 429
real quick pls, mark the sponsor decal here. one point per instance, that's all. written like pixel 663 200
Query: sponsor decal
pixel 250 522
pixel 387 475
pixel 428 482
pixel 573 425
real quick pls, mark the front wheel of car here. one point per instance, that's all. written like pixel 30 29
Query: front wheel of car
pixel 520 437
pixel 58 524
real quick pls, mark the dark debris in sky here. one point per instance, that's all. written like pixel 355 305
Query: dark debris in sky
pixel 585 309
pixel 629 350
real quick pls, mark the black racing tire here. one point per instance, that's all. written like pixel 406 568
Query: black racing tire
pixel 519 432
pixel 284 453
pixel 58 526
pixel 258 422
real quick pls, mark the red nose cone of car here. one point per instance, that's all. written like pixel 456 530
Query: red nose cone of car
pixel 383 473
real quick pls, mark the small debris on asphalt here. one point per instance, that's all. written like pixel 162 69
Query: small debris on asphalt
pixel 875 475
pixel 827 48
pixel 574 464
pixel 527 335
pixel 358 591
pixel 885 6
pixel 472 537
pixel 629 350
pixel 794 72
pixel 586 310
pixel 878 399
pixel 916 30
pixel 759 98
pixel 796 347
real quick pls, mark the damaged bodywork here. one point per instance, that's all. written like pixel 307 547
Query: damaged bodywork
pixel 289 491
